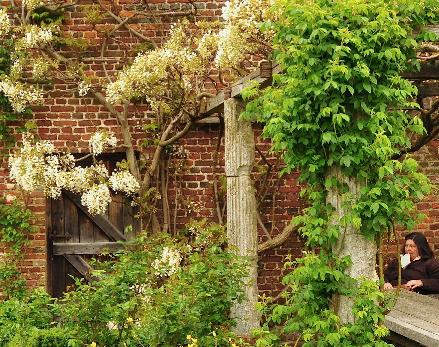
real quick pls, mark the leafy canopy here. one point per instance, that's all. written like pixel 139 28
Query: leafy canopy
pixel 338 109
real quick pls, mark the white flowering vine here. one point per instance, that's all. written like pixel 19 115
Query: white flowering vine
pixel 5 24
pixel 36 165
pixel 168 263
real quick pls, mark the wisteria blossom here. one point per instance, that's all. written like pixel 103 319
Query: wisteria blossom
pixel 123 181
pixel 168 263
pixel 19 94
pixel 34 36
pixel 5 24
pixel 101 140
pixel 83 88
pixel 96 199
pixel 242 34
pixel 36 165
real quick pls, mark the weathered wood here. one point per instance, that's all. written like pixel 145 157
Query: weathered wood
pixel 106 226
pixel 216 103
pixel 241 209
pixel 71 220
pixel 428 72
pixel 416 317
pixel 57 219
pixel 79 264
pixel 86 248
pixel 428 90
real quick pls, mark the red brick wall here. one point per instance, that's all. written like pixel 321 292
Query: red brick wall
pixel 68 121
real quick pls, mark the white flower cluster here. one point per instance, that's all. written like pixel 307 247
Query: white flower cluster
pixel 169 262
pixel 96 199
pixel 175 66
pixel 123 181
pixel 40 67
pixel 16 69
pixel 37 163
pixel 100 140
pixel 37 166
pixel 5 24
pixel 83 88
pixel 19 95
pixel 32 4
pixel 241 35
pixel 34 37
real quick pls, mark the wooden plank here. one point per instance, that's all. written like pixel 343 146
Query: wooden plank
pixel 57 219
pixel 86 248
pixel 49 243
pixel 71 220
pixel 116 211
pixel 104 224
pixel 79 264
pixel 59 276
pixel 70 275
pixel 216 103
pixel 86 227
pixel 427 72
pixel 428 90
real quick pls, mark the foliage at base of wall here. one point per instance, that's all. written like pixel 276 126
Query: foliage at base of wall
pixel 15 226
pixel 161 291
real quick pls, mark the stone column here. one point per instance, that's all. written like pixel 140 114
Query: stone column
pixel 351 242
pixel 241 208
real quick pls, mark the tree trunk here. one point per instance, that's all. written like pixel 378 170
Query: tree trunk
pixel 241 209
pixel 351 242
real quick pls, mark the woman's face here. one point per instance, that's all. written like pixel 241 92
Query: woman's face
pixel 411 248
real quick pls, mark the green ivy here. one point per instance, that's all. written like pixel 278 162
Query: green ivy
pixel 15 225
pixel 338 103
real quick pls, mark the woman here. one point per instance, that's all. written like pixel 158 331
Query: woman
pixel 422 273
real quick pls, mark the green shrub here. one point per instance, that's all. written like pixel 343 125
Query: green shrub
pixel 155 293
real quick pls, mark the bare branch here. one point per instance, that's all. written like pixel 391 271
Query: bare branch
pixel 126 26
pixel 278 239
pixel 261 224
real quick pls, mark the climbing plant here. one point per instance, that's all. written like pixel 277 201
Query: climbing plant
pixel 338 114
pixel 15 226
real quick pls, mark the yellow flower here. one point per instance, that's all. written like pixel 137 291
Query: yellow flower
pixel 130 320
pixel 193 342
pixel 93 344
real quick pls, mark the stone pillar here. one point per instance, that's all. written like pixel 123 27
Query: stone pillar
pixel 241 208
pixel 351 242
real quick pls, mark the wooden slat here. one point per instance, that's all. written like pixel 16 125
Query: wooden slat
pixel 71 220
pixel 106 226
pixel 216 103
pixel 58 218
pixel 427 72
pixel 86 248
pixel 428 90
pixel 79 264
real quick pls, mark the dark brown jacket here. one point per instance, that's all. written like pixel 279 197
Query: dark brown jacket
pixel 426 270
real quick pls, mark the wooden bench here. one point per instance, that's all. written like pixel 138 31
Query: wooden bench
pixel 414 321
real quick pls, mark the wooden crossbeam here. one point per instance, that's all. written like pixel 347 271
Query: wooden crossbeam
pixel 104 224
pixel 91 248
pixel 79 264
pixel 428 90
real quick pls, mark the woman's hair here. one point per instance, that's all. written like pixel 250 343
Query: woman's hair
pixel 421 243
